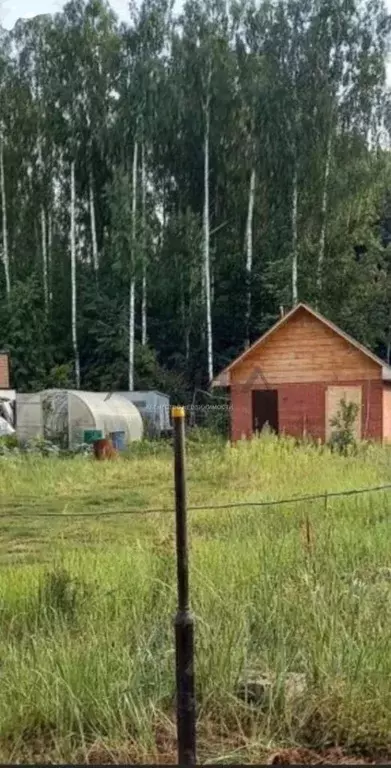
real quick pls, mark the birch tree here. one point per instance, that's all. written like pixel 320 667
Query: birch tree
pixel 95 258
pixel 33 44
pixel 132 288
pixel 206 225
pixel 5 86
pixel 205 31
pixel 332 35
pixel 69 98
pixel 286 50
pixel 5 253
pixel 144 247
pixel 250 43
pixel 249 249
pixel 150 36
pixel 72 239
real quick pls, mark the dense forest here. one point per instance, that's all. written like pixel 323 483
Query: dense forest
pixel 169 185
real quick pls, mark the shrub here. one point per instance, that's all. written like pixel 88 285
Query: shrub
pixel 342 438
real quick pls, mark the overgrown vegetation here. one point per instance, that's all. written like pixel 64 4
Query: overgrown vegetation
pixel 86 604
pixel 10 447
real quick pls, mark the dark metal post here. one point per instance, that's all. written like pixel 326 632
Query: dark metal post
pixel 184 623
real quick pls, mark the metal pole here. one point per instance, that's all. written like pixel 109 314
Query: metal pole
pixel 184 623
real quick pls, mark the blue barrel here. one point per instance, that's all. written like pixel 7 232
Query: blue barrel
pixel 118 440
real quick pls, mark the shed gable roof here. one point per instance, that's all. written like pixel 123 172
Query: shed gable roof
pixel 223 379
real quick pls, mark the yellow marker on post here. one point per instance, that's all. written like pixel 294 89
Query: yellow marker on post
pixel 178 412
pixel 184 622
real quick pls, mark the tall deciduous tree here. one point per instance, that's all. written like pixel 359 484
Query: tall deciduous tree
pixel 168 183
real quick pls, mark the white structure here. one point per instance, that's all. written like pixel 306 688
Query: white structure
pixel 154 408
pixel 7 394
pixel 7 407
pixel 5 428
pixel 28 416
pixel 67 415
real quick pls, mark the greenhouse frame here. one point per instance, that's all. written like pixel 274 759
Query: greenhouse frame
pixel 73 417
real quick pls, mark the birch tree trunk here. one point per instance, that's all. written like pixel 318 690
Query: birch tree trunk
pixel 4 219
pixel 132 276
pixel 73 278
pixel 164 215
pixel 44 259
pixel 95 259
pixel 295 294
pixel 249 251
pixel 50 241
pixel 43 228
pixel 209 337
pixel 324 207
pixel 144 230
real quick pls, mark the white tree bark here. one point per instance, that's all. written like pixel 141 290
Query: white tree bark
pixel 295 294
pixel 95 258
pixel 144 230
pixel 43 228
pixel 44 259
pixel 249 250
pixel 4 219
pixel 73 278
pixel 50 241
pixel 164 215
pixel 324 207
pixel 209 336
pixel 132 276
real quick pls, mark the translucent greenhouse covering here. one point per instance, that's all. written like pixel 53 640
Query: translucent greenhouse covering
pixel 154 408
pixel 28 416
pixel 72 417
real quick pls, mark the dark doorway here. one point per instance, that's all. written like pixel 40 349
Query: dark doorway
pixel 265 409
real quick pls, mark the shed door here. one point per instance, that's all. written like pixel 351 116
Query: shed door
pixel 334 395
pixel 265 409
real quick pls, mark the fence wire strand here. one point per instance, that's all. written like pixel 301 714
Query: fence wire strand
pixel 199 508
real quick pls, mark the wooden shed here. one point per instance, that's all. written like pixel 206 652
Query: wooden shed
pixel 295 376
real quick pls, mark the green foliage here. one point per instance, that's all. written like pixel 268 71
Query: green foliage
pixel 283 82
pixel 24 332
pixel 8 442
pixel 342 438
pixel 61 377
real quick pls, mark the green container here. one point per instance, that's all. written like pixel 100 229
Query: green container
pixel 90 435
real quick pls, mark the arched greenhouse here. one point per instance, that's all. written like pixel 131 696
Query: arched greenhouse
pixel 72 417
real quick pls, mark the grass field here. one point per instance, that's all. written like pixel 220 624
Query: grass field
pixel 87 603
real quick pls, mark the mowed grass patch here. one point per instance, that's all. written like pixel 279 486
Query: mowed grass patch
pixel 87 603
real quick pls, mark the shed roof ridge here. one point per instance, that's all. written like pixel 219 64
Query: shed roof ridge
pixel 283 320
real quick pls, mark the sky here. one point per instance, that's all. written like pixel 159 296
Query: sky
pixel 12 10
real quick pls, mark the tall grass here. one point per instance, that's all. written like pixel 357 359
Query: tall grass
pixel 86 636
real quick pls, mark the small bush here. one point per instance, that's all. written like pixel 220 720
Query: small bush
pixel 9 441
pixel 8 445
pixel 342 439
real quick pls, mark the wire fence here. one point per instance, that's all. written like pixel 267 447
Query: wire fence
pixel 325 496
